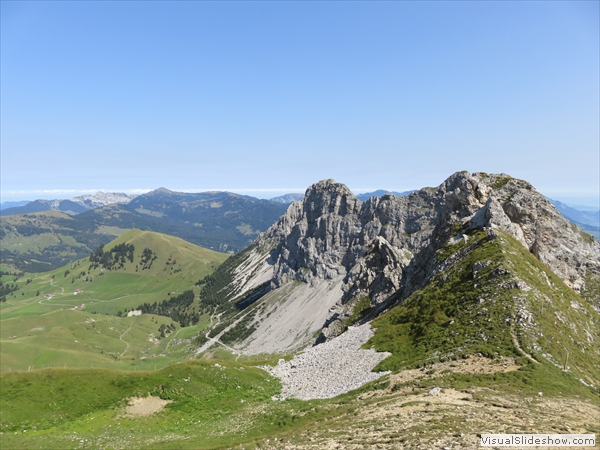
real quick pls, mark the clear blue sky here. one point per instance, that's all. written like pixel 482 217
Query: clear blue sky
pixel 269 97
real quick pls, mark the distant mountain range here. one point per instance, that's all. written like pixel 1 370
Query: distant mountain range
pixel 72 206
pixel 84 203
pixel 586 218
pixel 222 221
pixel 6 205
pixel 588 221
pixel 288 198
pixel 381 193
pixel 66 230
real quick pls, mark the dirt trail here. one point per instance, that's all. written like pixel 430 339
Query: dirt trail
pixel 46 300
pixel 516 342
pixel 121 338
pixel 172 339
pixel 211 341
pixel 97 300
pixel 61 288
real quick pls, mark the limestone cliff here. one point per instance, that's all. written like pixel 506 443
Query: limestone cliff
pixel 386 248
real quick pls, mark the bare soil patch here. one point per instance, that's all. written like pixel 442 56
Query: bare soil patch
pixel 145 406
pixel 471 365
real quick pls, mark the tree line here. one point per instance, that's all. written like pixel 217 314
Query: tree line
pixel 115 258
pixel 217 287
pixel 177 308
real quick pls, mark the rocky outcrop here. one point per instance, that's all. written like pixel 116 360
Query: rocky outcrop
pixel 379 274
pixel 520 210
pixel 332 232
pixel 314 234
pixel 386 248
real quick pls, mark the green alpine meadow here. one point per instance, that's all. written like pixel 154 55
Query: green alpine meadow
pixel 397 322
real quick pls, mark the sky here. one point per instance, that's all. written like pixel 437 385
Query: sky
pixel 265 98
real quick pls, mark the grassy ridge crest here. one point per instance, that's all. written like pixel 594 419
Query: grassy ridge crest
pixel 495 299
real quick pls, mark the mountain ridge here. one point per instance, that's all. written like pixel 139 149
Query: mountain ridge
pixel 309 274
pixel 73 206
pixel 464 285
pixel 219 220
pixel 381 192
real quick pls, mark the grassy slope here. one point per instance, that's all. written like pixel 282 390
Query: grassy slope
pixel 220 405
pixel 46 240
pixel 230 406
pixel 38 331
pixel 495 314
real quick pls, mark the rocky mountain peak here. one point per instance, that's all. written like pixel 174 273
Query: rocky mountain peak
pixel 329 197
pixel 330 230
pixel 462 195
pixel 385 249
pixel 307 249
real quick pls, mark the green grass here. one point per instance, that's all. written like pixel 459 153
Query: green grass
pixel 528 381
pixel 222 404
pixel 78 339
pixel 444 319
pixel 359 311
pixel 56 326
pixel 58 399
pixel 500 182
pixel 460 313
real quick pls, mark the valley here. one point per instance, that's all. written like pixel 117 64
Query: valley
pixel 75 316
pixel 221 221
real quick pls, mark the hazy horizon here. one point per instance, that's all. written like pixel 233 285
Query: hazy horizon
pixel 570 200
pixel 266 98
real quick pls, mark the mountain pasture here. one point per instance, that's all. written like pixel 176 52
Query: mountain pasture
pixel 490 339
pixel 68 317
pixel 38 242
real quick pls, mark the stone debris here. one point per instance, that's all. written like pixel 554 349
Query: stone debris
pixel 330 369
pixel 435 391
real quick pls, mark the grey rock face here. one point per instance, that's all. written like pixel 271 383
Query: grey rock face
pixel 313 233
pixel 546 233
pixel 379 273
pixel 386 248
